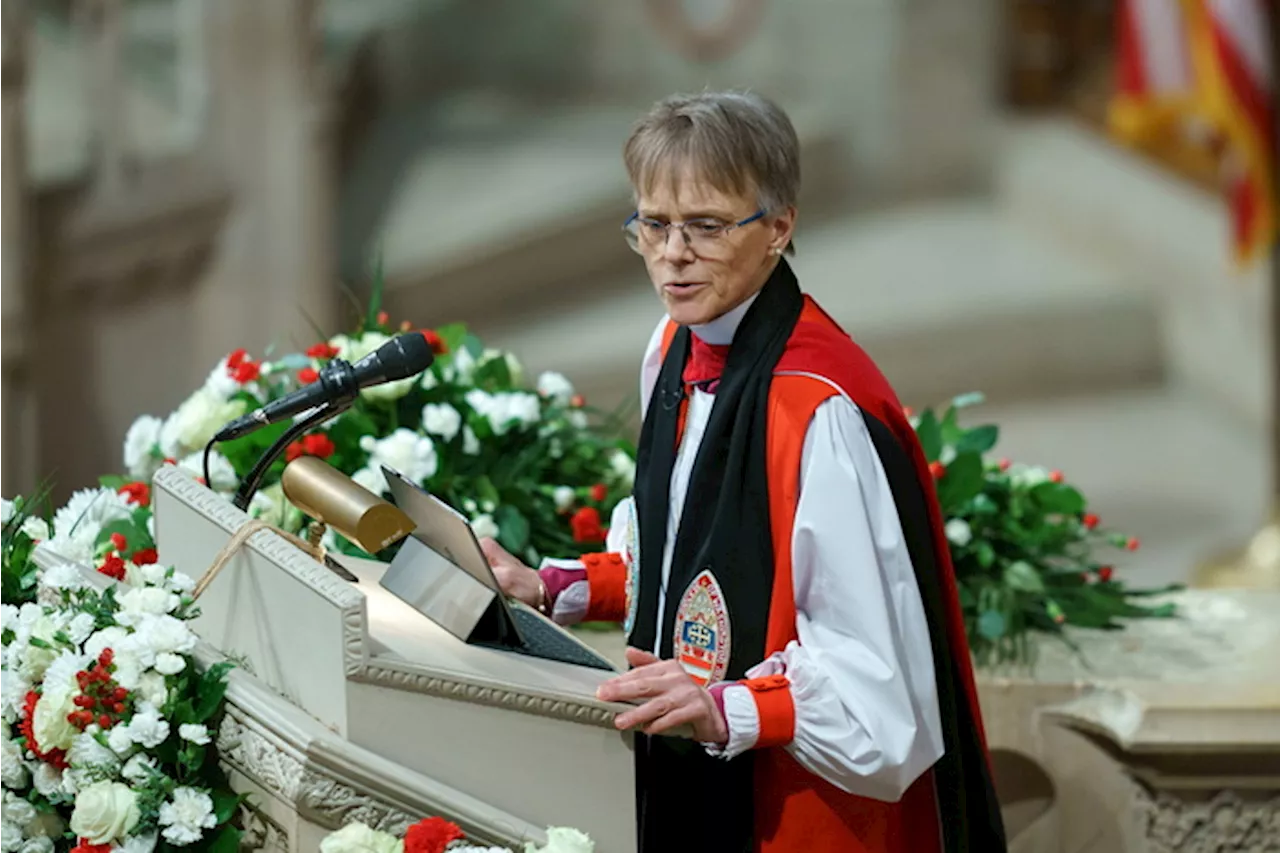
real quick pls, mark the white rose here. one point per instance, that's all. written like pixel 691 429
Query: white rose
pixel 105 812
pixel 354 349
pixel 358 838
pixel 141 446
pixel 441 419
pixel 563 839
pixel 195 422
pixel 564 497
pixel 958 532
pixel 49 722
pixel 555 387
pixel 484 525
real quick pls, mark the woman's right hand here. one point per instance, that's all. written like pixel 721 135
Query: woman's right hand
pixel 515 578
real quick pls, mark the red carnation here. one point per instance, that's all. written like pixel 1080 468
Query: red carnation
pixel 599 493
pixel 383 317
pixel 1090 520
pixel 113 567
pixel 307 375
pixel 585 524
pixel 144 557
pixel 1104 573
pixel 431 835
pixel 322 350
pixel 247 372
pixel 136 493
pixel 318 444
pixel 1055 476
pixel 938 470
pixel 437 343
pixel 119 542
pixel 236 359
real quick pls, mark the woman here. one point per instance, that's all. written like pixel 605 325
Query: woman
pixel 781 567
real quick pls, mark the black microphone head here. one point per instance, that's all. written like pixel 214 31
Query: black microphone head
pixel 399 358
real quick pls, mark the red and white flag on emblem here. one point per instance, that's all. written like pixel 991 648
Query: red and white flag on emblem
pixel 1205 63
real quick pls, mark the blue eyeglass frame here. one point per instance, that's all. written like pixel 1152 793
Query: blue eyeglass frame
pixel 680 225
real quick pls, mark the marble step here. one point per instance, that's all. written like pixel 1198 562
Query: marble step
pixel 947 297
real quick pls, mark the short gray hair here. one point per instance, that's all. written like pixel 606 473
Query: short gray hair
pixel 738 141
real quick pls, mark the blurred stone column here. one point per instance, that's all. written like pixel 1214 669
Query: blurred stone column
pixel 270 131
pixel 19 411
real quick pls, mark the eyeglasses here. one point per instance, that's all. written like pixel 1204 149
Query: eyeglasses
pixel 704 236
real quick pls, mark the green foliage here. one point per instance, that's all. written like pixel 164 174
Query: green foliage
pixel 1028 556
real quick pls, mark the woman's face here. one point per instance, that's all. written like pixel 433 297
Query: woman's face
pixel 699 280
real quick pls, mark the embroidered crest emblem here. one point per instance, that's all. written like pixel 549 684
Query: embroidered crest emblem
pixel 702 640
pixel 631 545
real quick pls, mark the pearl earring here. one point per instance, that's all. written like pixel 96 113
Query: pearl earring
pixel 775 251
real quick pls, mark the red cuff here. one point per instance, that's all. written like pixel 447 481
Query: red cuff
pixel 775 708
pixel 607 581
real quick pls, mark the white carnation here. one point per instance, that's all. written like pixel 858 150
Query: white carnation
pixel 10 837
pixel 470 444
pixel 958 532
pixel 194 732
pixel 484 525
pixel 187 816
pixel 167 663
pixel 13 773
pixel 77 524
pixel 110 637
pixel 221 384
pixel 555 387
pixel 152 688
pixel 464 366
pixel 405 451
pixel 221 471
pixel 441 419
pixel 141 448
pixel 146 728
pixel 17 810
pixel 143 601
pixel 359 838
pixel 47 779
pixel 138 844
pixel 577 418
pixel 564 497
pixel 6 510
pixel 138 768
pixel 36 528
pixel 505 410
pixel 371 479
pixel 62 576
pixel 99 763
pixel 81 627
pixel 563 839
pixel 39 844
pixel 623 467
pixel 1025 476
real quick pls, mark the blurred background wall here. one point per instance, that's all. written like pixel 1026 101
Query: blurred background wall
pixel 184 177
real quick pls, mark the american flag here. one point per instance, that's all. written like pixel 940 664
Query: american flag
pixel 1206 65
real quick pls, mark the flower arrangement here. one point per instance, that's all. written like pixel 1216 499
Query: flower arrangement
pixel 106 717
pixel 1025 547
pixel 531 466
pixel 437 835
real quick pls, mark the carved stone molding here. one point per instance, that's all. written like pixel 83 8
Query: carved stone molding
pixel 261 832
pixel 479 693
pixel 1225 822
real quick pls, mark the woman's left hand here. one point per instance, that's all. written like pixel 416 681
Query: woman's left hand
pixel 674 699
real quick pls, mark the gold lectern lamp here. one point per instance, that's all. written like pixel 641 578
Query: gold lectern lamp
pixel 334 499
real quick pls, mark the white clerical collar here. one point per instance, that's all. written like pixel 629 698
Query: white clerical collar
pixel 721 330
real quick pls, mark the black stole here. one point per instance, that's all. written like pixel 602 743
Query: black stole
pixel 687 800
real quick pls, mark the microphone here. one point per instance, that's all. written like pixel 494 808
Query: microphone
pixel 340 382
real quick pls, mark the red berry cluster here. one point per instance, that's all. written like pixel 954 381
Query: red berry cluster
pixel 101 700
